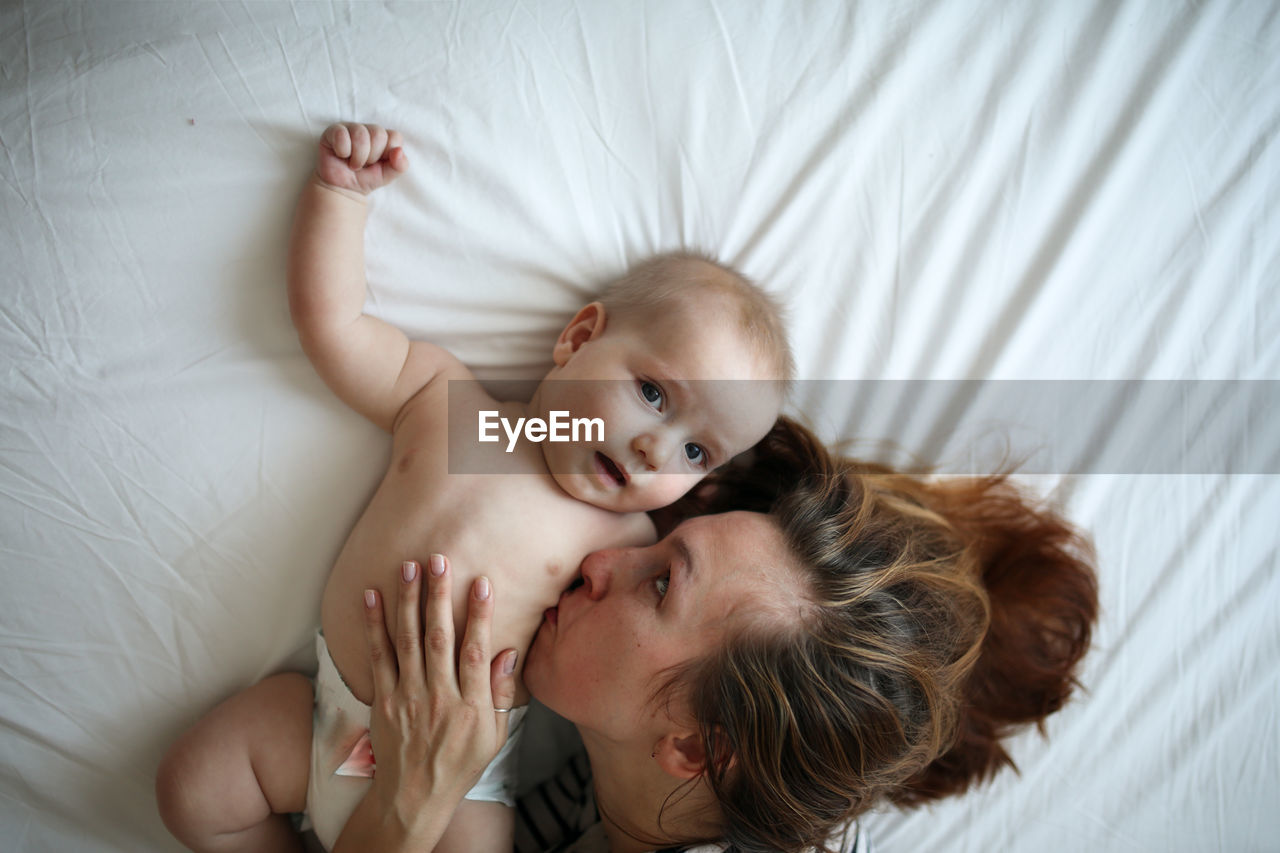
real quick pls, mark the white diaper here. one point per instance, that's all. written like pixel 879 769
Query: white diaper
pixel 340 721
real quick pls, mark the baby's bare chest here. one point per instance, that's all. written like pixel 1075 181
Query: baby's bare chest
pixel 515 527
pixel 510 522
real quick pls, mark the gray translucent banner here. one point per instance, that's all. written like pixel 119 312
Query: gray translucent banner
pixel 981 426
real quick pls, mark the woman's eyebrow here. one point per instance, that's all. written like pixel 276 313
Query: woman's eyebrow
pixel 685 558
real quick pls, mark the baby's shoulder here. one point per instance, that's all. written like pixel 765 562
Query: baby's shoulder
pixel 452 383
pixel 636 528
pixel 614 530
pixel 576 526
pixel 562 539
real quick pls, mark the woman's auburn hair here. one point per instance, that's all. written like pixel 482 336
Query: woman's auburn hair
pixel 944 615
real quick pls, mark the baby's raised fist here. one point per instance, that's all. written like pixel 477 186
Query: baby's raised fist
pixel 360 157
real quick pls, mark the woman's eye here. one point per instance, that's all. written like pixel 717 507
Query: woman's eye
pixel 662 584
pixel 695 454
pixel 651 393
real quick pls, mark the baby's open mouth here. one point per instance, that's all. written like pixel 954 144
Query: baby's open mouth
pixel 611 469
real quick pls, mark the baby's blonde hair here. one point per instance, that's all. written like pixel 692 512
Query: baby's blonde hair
pixel 665 281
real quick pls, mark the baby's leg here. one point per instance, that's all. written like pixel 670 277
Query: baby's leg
pixel 230 780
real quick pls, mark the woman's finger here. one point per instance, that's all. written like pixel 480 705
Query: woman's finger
pixel 474 659
pixel 502 683
pixel 438 621
pixel 408 630
pixel 381 659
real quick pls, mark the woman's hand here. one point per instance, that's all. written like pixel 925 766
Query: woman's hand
pixel 357 159
pixel 436 719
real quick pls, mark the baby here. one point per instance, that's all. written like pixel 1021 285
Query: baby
pixel 636 358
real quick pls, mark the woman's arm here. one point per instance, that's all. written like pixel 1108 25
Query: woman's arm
pixel 434 728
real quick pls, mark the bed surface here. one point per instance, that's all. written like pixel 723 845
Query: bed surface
pixel 1065 194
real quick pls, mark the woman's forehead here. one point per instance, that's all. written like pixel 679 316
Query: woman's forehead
pixel 738 561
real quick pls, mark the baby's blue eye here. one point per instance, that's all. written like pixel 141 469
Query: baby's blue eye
pixel 652 393
pixel 663 584
pixel 695 454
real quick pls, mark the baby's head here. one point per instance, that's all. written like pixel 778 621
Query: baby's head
pixel 686 364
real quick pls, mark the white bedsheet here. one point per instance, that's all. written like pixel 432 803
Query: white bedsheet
pixel 1075 190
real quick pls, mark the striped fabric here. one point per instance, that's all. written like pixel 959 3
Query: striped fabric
pixel 560 816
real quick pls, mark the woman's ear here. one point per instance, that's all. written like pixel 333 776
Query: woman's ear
pixel 587 325
pixel 681 755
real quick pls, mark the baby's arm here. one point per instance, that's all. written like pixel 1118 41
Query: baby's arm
pixel 371 365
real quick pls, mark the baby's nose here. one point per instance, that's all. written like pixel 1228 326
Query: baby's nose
pixel 653 449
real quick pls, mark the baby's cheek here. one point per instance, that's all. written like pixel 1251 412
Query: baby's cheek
pixel 613 412
pixel 655 494
pixel 676 486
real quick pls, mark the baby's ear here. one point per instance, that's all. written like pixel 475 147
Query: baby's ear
pixel 587 325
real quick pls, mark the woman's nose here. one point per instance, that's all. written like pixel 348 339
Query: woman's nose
pixel 597 570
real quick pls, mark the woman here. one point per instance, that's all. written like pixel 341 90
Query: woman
pixel 759 678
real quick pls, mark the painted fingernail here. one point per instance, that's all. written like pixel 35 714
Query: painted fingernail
pixel 436 564
pixel 509 664
pixel 409 570
pixel 370 598
pixel 482 588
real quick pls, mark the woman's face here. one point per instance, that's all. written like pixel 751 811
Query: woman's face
pixel 599 656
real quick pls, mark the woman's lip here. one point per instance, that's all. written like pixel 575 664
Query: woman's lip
pixel 551 614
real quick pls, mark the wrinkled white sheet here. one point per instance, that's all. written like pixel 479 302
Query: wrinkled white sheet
pixel 1075 190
